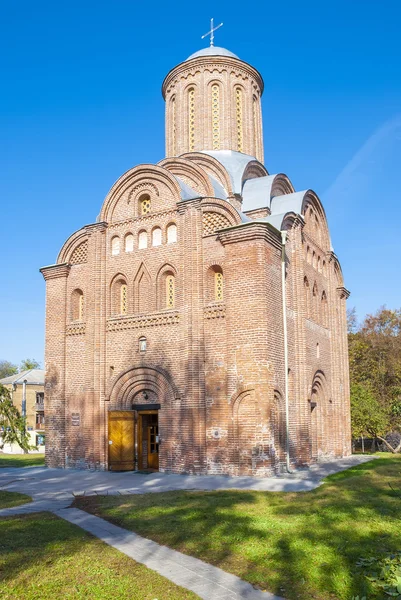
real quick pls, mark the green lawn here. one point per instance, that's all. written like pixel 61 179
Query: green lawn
pixel 43 557
pixel 10 499
pixel 300 545
pixel 22 460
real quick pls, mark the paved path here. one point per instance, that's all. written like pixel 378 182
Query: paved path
pixel 54 489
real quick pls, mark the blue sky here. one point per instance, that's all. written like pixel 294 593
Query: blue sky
pixel 80 103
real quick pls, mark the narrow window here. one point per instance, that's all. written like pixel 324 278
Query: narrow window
pixel 256 122
pixel 191 119
pixel 142 240
pixel 238 115
pixel 115 246
pixel 171 233
pixel 218 286
pixel 170 291
pixel 129 242
pixel 81 307
pixel 77 305
pixel 123 299
pixel 156 237
pixel 142 344
pixel 173 124
pixel 144 205
pixel 216 116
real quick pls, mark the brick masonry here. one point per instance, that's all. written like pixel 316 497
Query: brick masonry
pixel 215 365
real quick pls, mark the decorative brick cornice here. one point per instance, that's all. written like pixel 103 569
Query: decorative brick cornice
pixel 143 219
pixel 250 231
pixel 76 328
pixel 141 321
pixel 215 311
pixel 55 271
pixel 215 63
pixel 343 293
pixel 184 205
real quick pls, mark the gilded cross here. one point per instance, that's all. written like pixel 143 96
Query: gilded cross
pixel 211 32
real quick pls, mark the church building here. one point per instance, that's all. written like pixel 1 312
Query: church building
pixel 199 325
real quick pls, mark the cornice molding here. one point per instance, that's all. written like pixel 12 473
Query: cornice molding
pixel 214 62
pixel 55 271
pixel 250 231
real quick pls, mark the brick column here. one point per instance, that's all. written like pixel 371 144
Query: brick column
pixel 56 315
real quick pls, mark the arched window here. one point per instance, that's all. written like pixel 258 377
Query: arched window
pixel 307 298
pixel 171 233
pixel 315 303
pixel 191 119
pixel 124 299
pixel 319 264
pixel 324 311
pixel 173 124
pixel 255 120
pixel 218 285
pixel 142 240
pixel 119 297
pixel 144 205
pixel 216 116
pixel 238 118
pixel 115 246
pixel 308 254
pixel 129 242
pixel 170 291
pixel 156 236
pixel 77 305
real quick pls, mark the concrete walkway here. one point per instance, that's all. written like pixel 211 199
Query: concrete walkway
pixel 54 489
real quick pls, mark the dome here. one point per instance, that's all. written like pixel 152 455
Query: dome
pixel 213 51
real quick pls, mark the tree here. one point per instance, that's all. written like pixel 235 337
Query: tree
pixel 367 415
pixel 375 371
pixel 12 425
pixel 29 363
pixel 7 369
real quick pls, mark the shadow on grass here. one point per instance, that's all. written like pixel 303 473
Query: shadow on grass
pixel 300 545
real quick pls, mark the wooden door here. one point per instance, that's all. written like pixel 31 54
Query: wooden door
pixel 153 445
pixel 121 440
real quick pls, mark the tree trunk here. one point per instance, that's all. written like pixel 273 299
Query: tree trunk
pixel 393 450
pixel 373 447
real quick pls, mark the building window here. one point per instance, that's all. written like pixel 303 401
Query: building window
pixel 171 233
pixel 156 236
pixel 170 291
pixel 238 115
pixel 173 124
pixel 129 242
pixel 81 307
pixel 218 286
pixel 142 240
pixel 77 305
pixel 191 119
pixel 142 344
pixel 115 246
pixel 144 204
pixel 124 299
pixel 216 116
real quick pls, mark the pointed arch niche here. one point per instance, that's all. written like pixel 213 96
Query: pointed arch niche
pixel 143 301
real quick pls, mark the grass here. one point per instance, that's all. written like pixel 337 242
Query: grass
pixel 10 499
pixel 298 545
pixel 43 557
pixel 22 460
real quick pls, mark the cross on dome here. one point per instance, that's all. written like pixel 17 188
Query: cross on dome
pixel 211 32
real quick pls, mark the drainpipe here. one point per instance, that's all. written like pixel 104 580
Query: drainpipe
pixel 283 289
